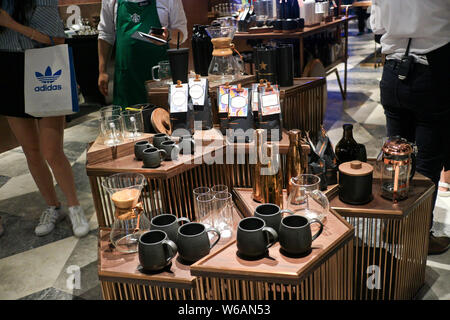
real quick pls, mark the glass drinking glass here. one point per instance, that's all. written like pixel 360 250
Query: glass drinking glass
pixel 133 123
pixel 109 111
pixel 206 212
pixel 223 216
pixel 306 199
pixel 164 74
pixel 219 188
pixel 199 191
pixel 112 131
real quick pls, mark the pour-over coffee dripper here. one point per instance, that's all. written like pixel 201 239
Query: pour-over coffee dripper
pixel 129 221
pixel 223 66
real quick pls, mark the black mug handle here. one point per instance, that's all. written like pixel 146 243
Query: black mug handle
pixel 183 219
pixel 318 233
pixel 270 232
pixel 216 232
pixel 171 249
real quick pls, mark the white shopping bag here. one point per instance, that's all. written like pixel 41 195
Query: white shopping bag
pixel 50 84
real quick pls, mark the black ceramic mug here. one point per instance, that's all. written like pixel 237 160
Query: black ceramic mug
pixel 168 223
pixel 139 147
pixel 172 150
pixel 187 144
pixel 193 241
pixel 155 250
pixel 295 234
pixel 159 138
pixel 271 214
pixel 152 157
pixel 253 237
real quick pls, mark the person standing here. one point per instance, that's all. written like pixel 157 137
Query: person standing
pixel 134 59
pixel 415 82
pixel 26 25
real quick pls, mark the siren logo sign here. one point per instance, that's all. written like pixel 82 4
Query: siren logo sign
pixel 48 79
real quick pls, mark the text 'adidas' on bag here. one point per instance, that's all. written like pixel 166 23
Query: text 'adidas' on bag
pixel 50 84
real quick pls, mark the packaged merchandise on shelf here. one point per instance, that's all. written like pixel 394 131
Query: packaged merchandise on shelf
pixel 181 109
pixel 240 115
pixel 223 93
pixel 199 94
pixel 270 111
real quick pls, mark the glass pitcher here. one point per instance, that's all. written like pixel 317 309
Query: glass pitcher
pixel 397 165
pixel 129 220
pixel 306 199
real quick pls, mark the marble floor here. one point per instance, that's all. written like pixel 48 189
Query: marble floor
pixel 43 267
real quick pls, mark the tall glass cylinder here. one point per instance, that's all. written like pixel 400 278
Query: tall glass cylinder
pixel 223 216
pixel 205 203
pixel 133 124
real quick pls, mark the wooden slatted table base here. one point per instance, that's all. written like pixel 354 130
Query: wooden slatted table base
pixel 391 245
pixel 326 273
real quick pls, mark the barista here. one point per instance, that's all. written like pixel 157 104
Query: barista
pixel 134 59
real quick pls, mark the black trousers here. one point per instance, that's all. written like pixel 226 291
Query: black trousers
pixel 413 112
pixel 362 15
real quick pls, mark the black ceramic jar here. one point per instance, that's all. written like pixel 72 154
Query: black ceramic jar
pixel 355 182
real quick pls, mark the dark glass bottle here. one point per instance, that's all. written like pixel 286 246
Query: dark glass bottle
pixel 196 48
pixel 201 49
pixel 348 149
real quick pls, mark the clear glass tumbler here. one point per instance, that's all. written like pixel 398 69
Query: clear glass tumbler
pixel 133 123
pixel 206 210
pixel 219 188
pixel 223 216
pixel 197 192
pixel 111 130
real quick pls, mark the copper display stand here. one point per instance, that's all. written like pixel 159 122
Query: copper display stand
pixel 304 104
pixel 325 273
pixel 392 241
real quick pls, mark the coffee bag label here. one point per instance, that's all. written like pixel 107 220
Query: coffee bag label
pixel 178 100
pixel 239 102
pixel 270 102
pixel 223 98
pixel 197 91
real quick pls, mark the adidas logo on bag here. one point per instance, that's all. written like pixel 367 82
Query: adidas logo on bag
pixel 47 79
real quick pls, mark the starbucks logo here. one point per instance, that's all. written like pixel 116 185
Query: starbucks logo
pixel 135 18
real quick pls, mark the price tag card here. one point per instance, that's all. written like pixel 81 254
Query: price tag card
pixel 178 99
pixel 239 102
pixel 255 97
pixel 197 91
pixel 223 98
pixel 270 102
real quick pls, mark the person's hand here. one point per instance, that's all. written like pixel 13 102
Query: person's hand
pixel 5 19
pixel 103 80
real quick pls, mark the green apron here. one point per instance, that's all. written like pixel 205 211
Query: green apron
pixel 135 58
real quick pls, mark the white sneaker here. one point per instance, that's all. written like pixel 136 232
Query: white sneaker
pixel 80 226
pixel 49 218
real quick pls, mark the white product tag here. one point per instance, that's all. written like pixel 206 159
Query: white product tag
pixel 197 89
pixel 270 102
pixel 178 98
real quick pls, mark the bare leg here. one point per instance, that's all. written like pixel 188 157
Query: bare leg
pixel 51 135
pixel 27 134
pixel 445 177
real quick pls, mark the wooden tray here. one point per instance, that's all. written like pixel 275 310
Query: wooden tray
pixel 420 188
pixel 224 263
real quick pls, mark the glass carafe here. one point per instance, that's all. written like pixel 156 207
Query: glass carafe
pixel 223 67
pixel 306 199
pixel 397 163
pixel 129 218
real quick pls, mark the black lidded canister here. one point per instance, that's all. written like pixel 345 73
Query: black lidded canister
pixel 267 61
pixel 206 49
pixel 355 182
pixel 285 68
pixel 196 53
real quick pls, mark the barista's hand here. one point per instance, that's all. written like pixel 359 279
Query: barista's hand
pixel 103 80
pixel 5 19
